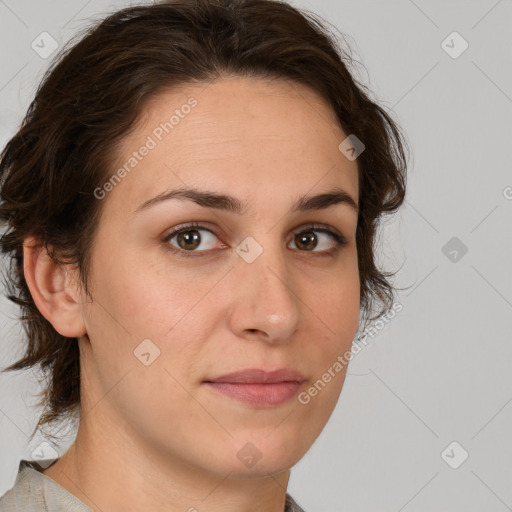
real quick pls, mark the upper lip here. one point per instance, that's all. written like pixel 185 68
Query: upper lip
pixel 259 376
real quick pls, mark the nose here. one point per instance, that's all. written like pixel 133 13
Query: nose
pixel 266 303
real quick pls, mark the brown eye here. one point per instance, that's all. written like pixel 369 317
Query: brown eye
pixel 306 240
pixel 190 237
pixel 189 240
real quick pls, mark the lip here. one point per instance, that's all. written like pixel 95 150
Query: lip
pixel 260 376
pixel 257 387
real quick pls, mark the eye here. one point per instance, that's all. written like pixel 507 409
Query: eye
pixel 308 240
pixel 189 238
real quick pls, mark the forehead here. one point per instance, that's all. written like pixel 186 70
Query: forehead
pixel 250 136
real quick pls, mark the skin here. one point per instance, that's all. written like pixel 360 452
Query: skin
pixel 157 434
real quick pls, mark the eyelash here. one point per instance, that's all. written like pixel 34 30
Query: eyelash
pixel 341 241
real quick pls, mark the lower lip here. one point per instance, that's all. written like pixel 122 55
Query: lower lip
pixel 258 394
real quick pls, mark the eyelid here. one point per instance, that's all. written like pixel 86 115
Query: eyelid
pixel 339 238
pixel 186 226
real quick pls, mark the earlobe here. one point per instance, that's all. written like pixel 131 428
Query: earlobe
pixel 53 289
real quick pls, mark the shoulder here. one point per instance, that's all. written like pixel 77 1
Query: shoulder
pixel 35 492
pixel 291 505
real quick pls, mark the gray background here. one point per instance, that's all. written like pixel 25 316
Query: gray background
pixel 440 371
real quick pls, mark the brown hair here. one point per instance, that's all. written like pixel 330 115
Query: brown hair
pixel 93 94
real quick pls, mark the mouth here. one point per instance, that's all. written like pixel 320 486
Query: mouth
pixel 258 387
pixel 260 376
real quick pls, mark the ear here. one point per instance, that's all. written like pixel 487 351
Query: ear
pixel 54 289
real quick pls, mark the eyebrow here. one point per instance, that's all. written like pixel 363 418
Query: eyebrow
pixel 231 204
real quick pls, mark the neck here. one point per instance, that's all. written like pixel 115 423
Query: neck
pixel 113 472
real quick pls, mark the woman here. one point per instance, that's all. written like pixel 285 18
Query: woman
pixel 191 203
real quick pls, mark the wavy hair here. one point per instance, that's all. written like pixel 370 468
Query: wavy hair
pixel 94 92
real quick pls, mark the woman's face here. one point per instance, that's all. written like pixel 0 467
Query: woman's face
pixel 243 290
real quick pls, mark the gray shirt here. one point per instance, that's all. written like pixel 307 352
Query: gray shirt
pixel 35 492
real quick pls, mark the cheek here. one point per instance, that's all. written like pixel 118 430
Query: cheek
pixel 333 322
pixel 171 309
pixel 142 299
pixel 335 303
